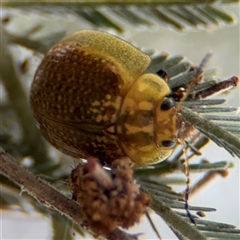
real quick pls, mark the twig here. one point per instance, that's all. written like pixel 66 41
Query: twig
pixel 38 188
pixel 153 225
pixel 208 177
pixel 47 195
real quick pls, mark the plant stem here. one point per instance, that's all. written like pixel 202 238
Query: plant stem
pixel 47 195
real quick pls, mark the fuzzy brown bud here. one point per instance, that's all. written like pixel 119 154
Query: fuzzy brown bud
pixel 108 199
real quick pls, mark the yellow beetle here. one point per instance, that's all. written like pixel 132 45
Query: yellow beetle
pixel 91 97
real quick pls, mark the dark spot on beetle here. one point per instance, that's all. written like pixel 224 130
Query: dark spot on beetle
pixel 167 104
pixel 168 143
pixel 161 73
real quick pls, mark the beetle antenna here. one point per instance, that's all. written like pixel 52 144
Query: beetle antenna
pixel 185 163
pixel 186 172
pixel 195 79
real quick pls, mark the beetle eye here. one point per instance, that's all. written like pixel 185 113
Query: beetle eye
pixel 168 143
pixel 167 104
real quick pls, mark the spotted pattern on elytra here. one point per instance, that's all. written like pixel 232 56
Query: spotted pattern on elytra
pixel 83 100
pixel 70 102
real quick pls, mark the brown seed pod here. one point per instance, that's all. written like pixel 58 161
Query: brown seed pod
pixel 91 97
pixel 108 201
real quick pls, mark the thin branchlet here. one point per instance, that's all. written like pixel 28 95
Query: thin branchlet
pixel 49 196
